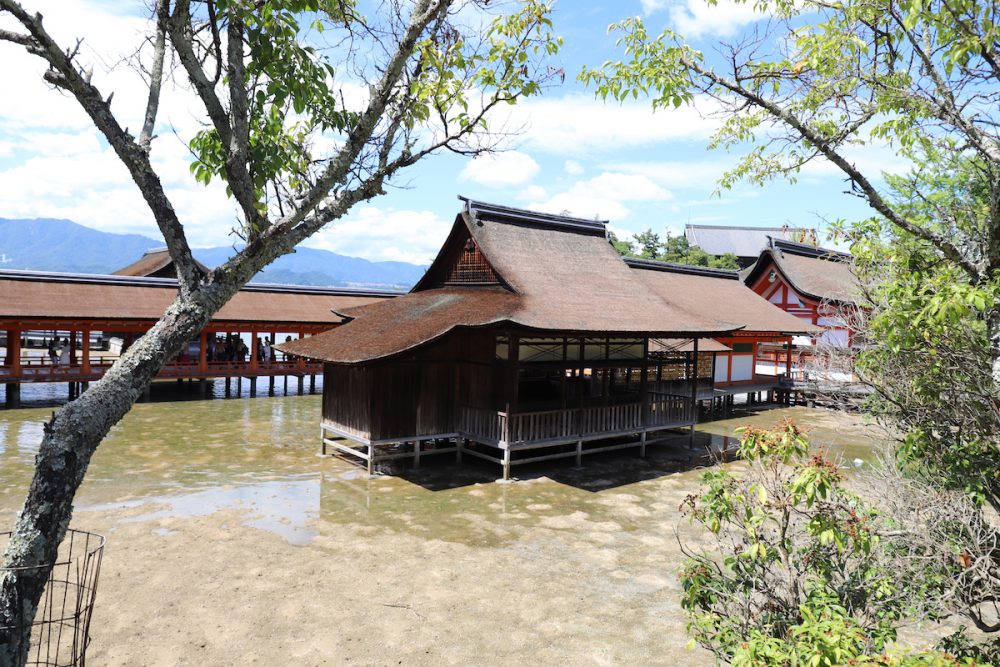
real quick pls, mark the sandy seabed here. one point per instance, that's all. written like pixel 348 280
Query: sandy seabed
pixel 271 555
pixel 212 591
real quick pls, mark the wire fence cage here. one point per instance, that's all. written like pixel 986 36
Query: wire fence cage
pixel 60 631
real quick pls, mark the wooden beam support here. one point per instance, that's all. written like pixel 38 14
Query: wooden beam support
pixel 14 351
pixel 203 352
pixel 85 352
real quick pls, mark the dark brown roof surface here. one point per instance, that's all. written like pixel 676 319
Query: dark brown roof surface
pixel 394 326
pixel 719 292
pixel 563 276
pixel 816 272
pixel 29 295
pixel 570 278
pixel 153 263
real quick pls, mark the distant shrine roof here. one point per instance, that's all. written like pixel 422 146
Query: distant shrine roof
pixel 742 241
pixel 820 273
pixel 717 291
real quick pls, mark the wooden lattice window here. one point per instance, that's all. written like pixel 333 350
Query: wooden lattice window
pixel 472 267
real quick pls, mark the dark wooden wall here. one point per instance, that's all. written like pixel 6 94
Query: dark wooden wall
pixel 418 394
pixel 347 397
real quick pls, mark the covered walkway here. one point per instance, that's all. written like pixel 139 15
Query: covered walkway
pixel 70 328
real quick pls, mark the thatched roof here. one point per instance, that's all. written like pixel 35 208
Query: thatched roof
pixel 717 291
pixel 37 295
pixel 818 273
pixel 522 269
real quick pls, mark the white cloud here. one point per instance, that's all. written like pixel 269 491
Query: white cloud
pixel 532 192
pixel 653 6
pixel 385 234
pixel 579 124
pixel 606 196
pixel 697 18
pixel 573 168
pixel 506 169
pixel 702 174
pixel 871 159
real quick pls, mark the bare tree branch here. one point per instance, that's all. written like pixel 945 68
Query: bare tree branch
pixel 156 75
pixel 829 151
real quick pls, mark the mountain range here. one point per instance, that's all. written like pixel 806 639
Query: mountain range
pixel 46 244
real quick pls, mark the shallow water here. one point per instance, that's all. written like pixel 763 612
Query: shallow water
pixel 259 457
pixel 246 546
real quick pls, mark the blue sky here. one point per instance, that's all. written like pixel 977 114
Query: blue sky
pixel 618 162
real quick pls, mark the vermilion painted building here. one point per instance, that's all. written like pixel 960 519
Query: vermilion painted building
pixel 722 293
pixel 813 284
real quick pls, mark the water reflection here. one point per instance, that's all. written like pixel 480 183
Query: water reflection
pixel 259 458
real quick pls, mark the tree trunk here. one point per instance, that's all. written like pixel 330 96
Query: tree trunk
pixel 70 440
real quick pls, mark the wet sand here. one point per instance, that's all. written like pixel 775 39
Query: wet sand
pixel 230 541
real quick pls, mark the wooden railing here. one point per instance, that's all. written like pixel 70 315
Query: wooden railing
pixel 611 419
pixel 668 409
pixel 574 423
pixel 488 425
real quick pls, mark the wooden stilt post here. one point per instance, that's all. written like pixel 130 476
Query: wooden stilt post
pixel 72 348
pixel 459 446
pixel 642 445
pixel 312 384
pixel 416 455
pixel 322 442
pixel 506 464
pixel 85 353
pixel 203 354
pixel 371 459
pixel 694 393
pixel 270 386
pixel 579 453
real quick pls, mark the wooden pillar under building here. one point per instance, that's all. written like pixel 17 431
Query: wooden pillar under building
pixel 788 359
pixel 12 395
pixel 72 348
pixel 85 353
pixel 270 386
pixel 644 394
pixel 254 350
pixel 694 394
pixel 14 351
pixel 312 384
pixel 302 381
pixel 301 362
pixel 203 353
